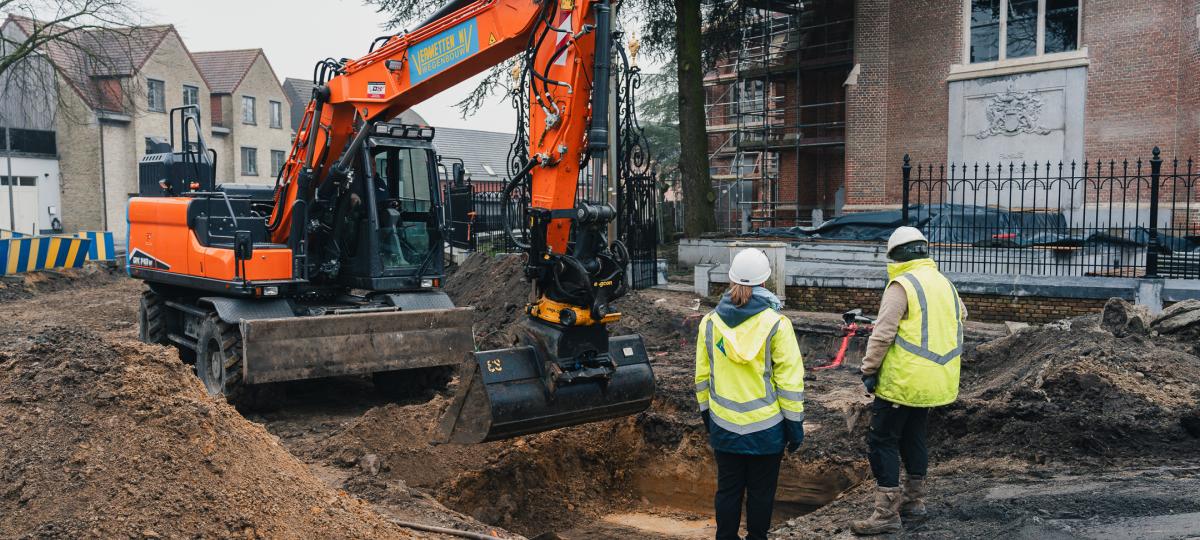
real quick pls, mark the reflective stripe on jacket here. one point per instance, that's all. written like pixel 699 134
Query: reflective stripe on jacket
pixel 750 379
pixel 921 368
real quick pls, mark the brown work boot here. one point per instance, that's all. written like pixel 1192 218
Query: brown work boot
pixel 885 518
pixel 912 503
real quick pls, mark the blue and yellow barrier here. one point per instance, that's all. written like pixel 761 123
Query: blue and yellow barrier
pixel 10 234
pixel 34 253
pixel 102 245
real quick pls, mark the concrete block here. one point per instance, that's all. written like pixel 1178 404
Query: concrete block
pixel 700 279
pixel 1149 294
pixel 776 253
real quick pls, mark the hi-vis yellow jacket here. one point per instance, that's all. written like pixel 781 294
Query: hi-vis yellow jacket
pixel 750 379
pixel 921 368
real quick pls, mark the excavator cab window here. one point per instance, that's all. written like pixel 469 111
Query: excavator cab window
pixel 407 229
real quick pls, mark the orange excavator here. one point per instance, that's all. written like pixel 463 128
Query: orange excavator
pixel 337 269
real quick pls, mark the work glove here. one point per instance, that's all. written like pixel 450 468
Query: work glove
pixel 704 419
pixel 870 381
pixel 795 436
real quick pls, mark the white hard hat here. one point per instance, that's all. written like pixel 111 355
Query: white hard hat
pixel 750 267
pixel 904 235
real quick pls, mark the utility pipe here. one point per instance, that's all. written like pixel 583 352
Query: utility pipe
pixel 443 530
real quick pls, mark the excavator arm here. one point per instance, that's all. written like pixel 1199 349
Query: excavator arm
pixel 564 368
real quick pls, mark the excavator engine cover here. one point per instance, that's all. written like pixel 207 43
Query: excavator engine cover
pixel 532 388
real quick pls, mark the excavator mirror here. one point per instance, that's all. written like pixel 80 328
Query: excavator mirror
pixel 459 173
pixel 243 245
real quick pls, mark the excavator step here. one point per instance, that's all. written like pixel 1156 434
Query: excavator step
pixel 502 394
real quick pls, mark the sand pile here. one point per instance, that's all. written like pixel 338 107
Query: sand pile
pixel 110 439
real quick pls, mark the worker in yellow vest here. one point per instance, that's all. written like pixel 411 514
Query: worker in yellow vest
pixel 911 365
pixel 750 386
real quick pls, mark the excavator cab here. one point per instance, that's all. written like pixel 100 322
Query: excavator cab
pixel 396 240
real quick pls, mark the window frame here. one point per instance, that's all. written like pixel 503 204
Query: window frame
pixel 1002 37
pixel 253 111
pixel 275 106
pixel 253 162
pixel 162 95
pixel 275 170
pixel 186 87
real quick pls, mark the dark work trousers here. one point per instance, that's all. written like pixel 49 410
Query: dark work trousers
pixel 897 432
pixel 756 477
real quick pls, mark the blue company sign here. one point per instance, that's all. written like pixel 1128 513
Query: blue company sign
pixel 442 51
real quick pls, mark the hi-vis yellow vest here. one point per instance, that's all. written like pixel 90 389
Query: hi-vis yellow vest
pixel 750 377
pixel 921 368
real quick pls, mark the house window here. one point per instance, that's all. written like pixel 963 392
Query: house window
pixel 276 115
pixel 750 96
pixel 248 110
pixel 249 161
pixel 156 96
pixel 24 181
pixel 1003 29
pixel 277 160
pixel 29 141
pixel 191 95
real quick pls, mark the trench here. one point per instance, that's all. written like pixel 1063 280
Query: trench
pixel 581 485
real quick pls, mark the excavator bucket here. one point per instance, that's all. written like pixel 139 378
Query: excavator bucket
pixel 504 393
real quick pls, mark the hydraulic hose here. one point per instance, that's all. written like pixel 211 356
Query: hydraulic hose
pixel 505 196
pixel 443 530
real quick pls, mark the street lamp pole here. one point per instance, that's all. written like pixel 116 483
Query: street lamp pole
pixel 12 212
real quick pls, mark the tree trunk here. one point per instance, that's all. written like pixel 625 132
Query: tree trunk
pixel 698 195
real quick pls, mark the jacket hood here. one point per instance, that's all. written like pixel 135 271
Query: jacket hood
pixel 897 269
pixel 742 342
pixel 760 299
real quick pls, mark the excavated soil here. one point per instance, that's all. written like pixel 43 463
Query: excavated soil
pixel 27 285
pixel 1062 431
pixel 105 439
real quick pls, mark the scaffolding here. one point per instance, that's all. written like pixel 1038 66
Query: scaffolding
pixel 774 103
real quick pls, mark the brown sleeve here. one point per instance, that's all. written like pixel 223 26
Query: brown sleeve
pixel 892 309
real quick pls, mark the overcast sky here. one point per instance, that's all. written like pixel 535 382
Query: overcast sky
pixel 297 34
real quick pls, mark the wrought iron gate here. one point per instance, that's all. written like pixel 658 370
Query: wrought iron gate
pixel 637 186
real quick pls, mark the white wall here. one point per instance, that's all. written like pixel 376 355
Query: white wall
pixel 31 204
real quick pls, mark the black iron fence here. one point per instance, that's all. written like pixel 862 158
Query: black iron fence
pixel 1131 219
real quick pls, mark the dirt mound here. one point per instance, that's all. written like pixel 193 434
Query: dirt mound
pixel 115 439
pixel 495 286
pixel 32 283
pixel 1073 391
pixel 399 438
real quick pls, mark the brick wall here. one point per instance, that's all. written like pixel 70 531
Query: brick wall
pixel 1189 67
pixel 987 308
pixel 1134 79
pixel 867 108
pixel 925 41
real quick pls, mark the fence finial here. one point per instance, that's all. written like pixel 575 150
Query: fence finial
pixel 1156 152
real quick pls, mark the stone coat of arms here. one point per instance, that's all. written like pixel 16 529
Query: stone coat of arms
pixel 1012 113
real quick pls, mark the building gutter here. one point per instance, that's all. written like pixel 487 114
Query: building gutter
pixel 103 179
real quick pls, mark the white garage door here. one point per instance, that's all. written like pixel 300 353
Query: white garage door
pixel 25 203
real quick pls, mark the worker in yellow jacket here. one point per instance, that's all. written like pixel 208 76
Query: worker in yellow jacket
pixel 750 386
pixel 911 365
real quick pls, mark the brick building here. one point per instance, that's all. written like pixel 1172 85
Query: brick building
pixel 812 116
pixel 251 115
